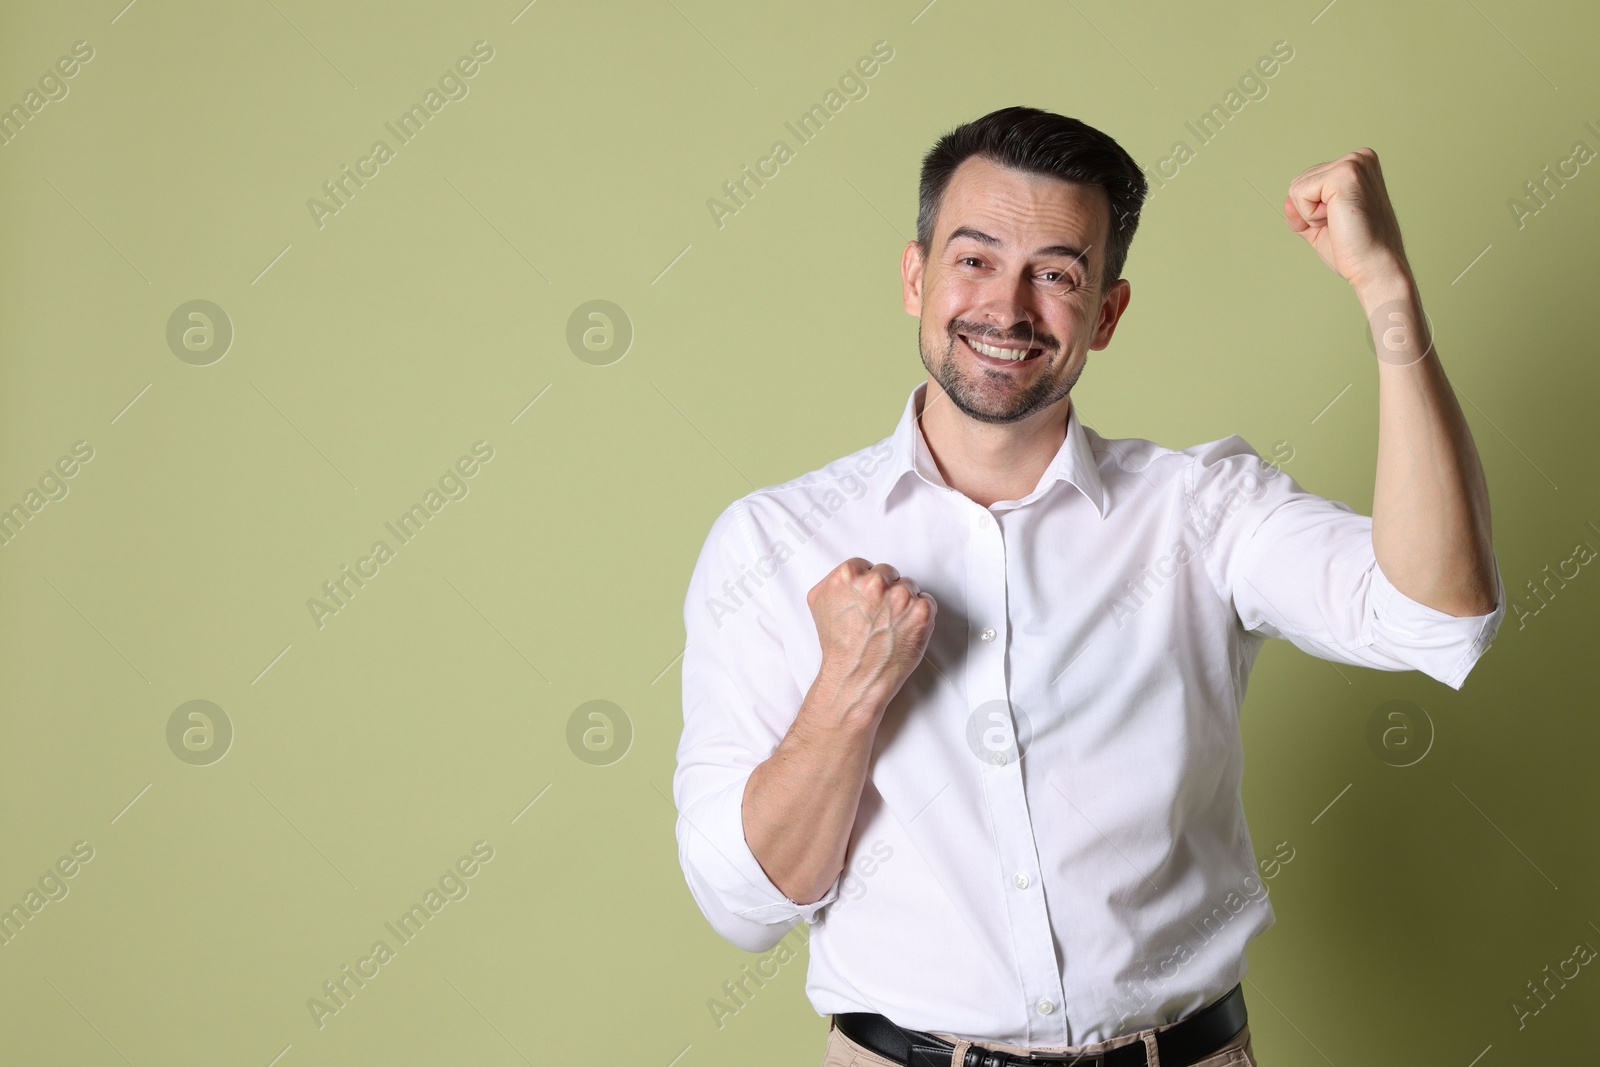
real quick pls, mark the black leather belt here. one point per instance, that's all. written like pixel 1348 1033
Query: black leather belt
pixel 1192 1039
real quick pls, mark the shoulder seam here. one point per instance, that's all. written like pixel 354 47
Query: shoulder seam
pixel 1205 545
pixel 746 525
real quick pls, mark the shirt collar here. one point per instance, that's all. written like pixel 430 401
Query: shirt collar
pixel 1074 462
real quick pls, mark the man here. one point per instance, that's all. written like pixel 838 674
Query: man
pixel 965 702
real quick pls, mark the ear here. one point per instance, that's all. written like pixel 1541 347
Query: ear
pixel 912 267
pixel 1112 305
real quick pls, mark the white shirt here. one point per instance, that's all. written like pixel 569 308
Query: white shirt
pixel 1105 881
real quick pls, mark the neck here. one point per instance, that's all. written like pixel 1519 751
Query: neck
pixel 986 461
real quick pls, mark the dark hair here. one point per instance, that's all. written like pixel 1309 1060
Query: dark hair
pixel 1040 142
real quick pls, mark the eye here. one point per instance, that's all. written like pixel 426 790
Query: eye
pixel 969 259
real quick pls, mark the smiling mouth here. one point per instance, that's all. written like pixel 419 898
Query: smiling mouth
pixel 1004 351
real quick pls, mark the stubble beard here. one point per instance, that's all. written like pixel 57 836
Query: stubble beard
pixel 997 402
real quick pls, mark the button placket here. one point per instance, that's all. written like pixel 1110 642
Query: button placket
pixel 988 527
pixel 1027 917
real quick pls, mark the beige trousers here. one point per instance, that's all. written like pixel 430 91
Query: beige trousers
pixel 842 1052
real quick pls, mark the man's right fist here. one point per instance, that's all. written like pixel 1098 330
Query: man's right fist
pixel 873 626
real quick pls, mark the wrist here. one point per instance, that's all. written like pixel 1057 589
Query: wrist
pixel 1392 283
pixel 844 701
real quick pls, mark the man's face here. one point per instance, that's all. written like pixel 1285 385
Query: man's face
pixel 1015 263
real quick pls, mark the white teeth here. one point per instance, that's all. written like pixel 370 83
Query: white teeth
pixel 1013 354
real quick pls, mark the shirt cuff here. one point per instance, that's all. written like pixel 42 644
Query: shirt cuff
pixel 1443 646
pixel 724 861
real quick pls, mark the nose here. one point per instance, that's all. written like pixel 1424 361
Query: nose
pixel 1008 319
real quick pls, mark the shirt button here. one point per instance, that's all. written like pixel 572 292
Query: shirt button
pixel 986 520
pixel 1045 1007
pixel 1020 881
pixel 988 633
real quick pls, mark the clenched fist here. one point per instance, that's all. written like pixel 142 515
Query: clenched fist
pixel 873 626
pixel 1342 209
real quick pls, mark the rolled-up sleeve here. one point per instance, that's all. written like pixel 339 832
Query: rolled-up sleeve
pixel 739 699
pixel 1301 567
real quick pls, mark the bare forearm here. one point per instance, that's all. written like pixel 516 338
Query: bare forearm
pixel 1430 505
pixel 800 804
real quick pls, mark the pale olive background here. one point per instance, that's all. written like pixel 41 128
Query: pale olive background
pixel 370 354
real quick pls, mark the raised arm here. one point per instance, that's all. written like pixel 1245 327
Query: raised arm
pixel 1430 506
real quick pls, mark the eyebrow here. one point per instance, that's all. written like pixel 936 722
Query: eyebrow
pixel 1070 252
